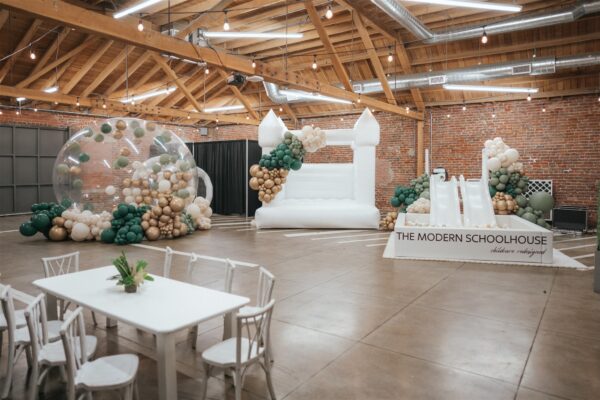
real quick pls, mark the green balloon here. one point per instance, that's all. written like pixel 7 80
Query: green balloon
pixel 521 201
pixel 134 124
pixel 500 187
pixel 183 193
pixel 131 237
pixel 531 217
pixel 106 128
pixel 107 236
pixel 296 165
pixel 77 184
pixel 139 132
pixel 503 178
pixel 27 229
pixel 122 162
pixel 84 157
pixel 542 201
pixel 520 212
pixel 164 159
pixel 395 202
pixel 41 222
pixel 156 168
pixel 62 169
pixel 99 138
pixel 184 166
pixel 122 210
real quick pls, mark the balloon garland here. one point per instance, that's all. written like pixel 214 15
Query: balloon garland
pixel 269 175
pixel 112 178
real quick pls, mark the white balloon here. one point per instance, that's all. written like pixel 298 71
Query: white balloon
pixel 494 164
pixel 512 154
pixel 110 190
pixel 164 186
pixel 80 232
pixel 136 191
pixel 488 144
pixel 194 210
pixel 127 192
pixel 129 199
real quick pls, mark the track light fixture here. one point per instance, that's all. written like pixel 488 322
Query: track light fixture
pixel 484 38
pixel 314 64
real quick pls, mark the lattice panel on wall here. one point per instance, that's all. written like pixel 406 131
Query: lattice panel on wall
pixel 539 185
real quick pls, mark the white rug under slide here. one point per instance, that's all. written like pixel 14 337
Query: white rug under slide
pixel 560 259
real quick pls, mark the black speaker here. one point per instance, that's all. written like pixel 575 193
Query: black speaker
pixel 570 218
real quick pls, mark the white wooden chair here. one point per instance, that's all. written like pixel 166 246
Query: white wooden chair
pixel 116 372
pixel 227 286
pixel 19 320
pixel 18 338
pixel 168 262
pixel 240 352
pixel 61 265
pixel 44 354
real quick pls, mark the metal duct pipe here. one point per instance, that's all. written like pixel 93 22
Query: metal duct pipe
pixel 536 66
pixel 401 15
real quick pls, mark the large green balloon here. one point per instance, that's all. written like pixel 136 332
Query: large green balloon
pixel 395 202
pixel 521 201
pixel 27 229
pixel 531 217
pixel 41 222
pixel 541 201
pixel 107 236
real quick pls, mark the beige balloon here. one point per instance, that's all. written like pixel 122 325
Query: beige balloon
pixel 253 183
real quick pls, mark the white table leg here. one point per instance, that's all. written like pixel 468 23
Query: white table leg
pixel 51 307
pixel 111 323
pixel 167 371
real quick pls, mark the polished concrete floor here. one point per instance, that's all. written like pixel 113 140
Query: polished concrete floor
pixel 349 324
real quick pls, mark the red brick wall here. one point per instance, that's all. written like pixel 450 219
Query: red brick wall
pixel 562 144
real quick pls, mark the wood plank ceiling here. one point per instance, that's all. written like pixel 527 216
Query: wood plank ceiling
pixel 93 70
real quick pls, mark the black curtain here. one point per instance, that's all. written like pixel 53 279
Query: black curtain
pixel 226 164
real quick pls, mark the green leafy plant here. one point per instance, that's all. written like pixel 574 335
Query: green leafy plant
pixel 130 275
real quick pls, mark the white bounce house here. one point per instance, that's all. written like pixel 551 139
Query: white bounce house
pixel 325 195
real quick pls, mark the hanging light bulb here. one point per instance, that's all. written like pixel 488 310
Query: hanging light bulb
pixel 18 112
pixel 484 38
pixel 253 63
pixel 35 109
pixel 140 26
pixel 329 12
pixel 528 97
pixel 464 107
pixel 55 103
pixel 206 71
pixel 1 112
pixel 358 101
pixel 390 56
pixel 226 23
pixel 544 109
pixel 407 109
pixel 188 116
pixel 247 117
pixel 447 115
pixel 494 115
pixel 77 103
pixel 280 109
pixel 32 53
pixel 314 64
pixel 103 103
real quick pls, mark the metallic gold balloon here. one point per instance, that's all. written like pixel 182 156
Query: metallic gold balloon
pixel 121 125
pixel 177 204
pixel 57 233
pixel 269 183
pixel 254 169
pixel 58 221
pixel 254 183
pixel 152 233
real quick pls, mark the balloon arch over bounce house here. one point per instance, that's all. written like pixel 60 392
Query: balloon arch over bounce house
pixel 121 181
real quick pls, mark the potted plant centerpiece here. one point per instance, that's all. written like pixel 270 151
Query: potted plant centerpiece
pixel 131 276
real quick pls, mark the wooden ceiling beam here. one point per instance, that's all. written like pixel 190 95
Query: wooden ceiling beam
pixel 340 71
pixel 89 21
pixel 130 71
pixel 238 94
pixel 85 102
pixel 54 64
pixel 173 76
pixel 288 110
pixel 106 71
pixel 374 58
pixel 51 51
pixel 85 68
pixel 25 40
pixel 3 17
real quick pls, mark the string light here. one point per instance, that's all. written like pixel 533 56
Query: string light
pixel 55 102
pixel 390 56
pixel 484 38
pixel 447 115
pixel 226 23
pixel 77 104
pixel 35 109
pixel 188 116
pixel 528 97
pixel 494 115
pixel 1 112
pixel 314 64
pixel 103 103
pixel 247 117
pixel 206 71
pixel 407 109
pixel 341 118
pixel 358 101
pixel 464 107
pixel 140 26
pixel 32 53
pixel 544 109
pixel 329 12
pixel 253 63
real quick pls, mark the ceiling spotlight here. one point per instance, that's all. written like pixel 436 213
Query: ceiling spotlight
pixel 314 64
pixel 253 63
pixel 528 97
pixel 140 26
pixel 226 23
pixel 329 12
pixel 484 38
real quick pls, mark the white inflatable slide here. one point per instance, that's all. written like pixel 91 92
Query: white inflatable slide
pixel 325 195
pixel 477 202
pixel 445 205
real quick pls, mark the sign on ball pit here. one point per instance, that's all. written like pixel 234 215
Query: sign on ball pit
pixel 514 241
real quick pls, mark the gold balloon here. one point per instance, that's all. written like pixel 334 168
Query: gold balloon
pixel 75 170
pixel 187 176
pixel 165 218
pixel 125 151
pixel 118 134
pixel 57 233
pixel 176 232
pixel 139 199
pixel 254 169
pixel 277 181
pixel 183 229
pixel 162 202
pixel 153 222
pixel 147 199
pixel 145 225
pixel 136 182
pixel 267 198
pixel 121 125
pixel 167 210
pixel 177 204
pixel 58 221
pixel 126 182
pixel 167 174
pixel 150 126
pixel 152 233
pixel 254 183
pixel 261 181
pixel 269 183
pixel 157 211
